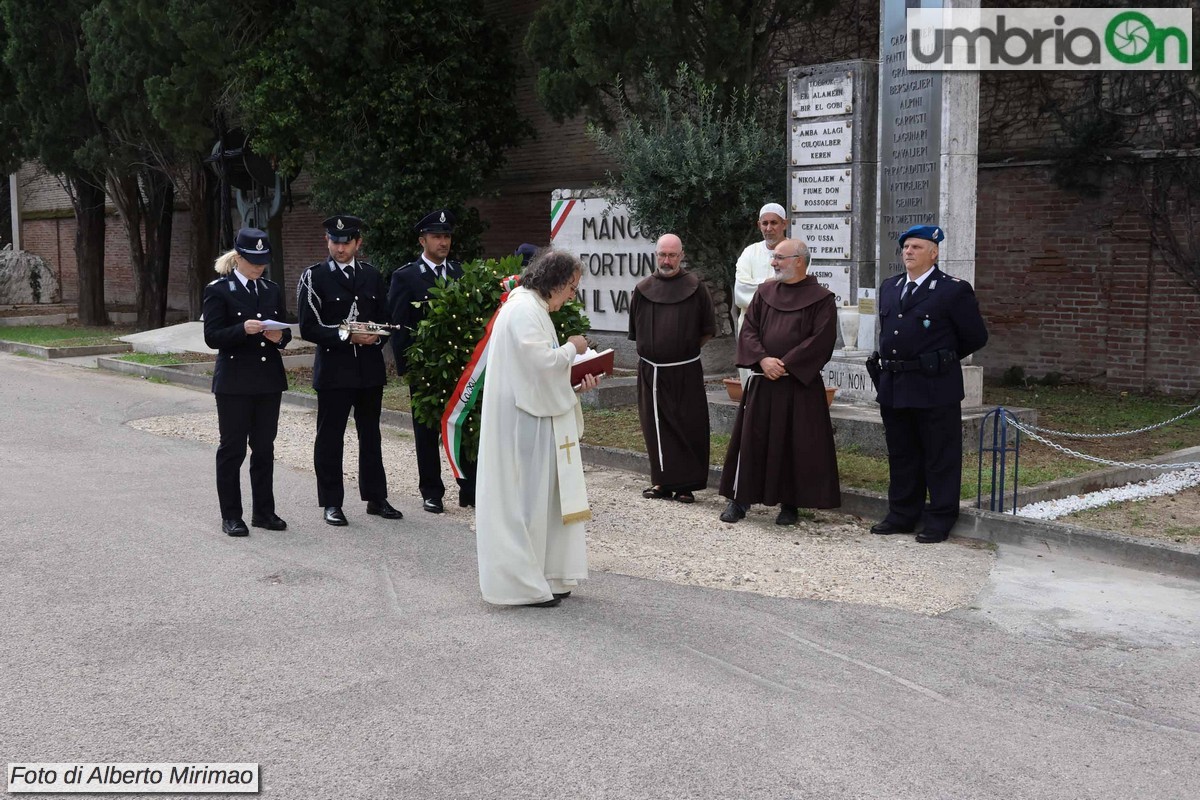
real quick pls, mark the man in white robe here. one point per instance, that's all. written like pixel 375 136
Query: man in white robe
pixel 754 264
pixel 528 554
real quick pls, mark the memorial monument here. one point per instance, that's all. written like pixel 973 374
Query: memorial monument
pixel 927 145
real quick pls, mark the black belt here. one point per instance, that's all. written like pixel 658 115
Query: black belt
pixel 931 363
pixel 899 366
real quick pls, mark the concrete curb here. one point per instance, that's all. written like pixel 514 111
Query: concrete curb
pixel 1004 529
pixel 48 353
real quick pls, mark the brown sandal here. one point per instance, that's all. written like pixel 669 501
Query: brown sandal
pixel 685 497
pixel 655 493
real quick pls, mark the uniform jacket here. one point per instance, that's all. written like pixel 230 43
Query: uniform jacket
pixel 944 315
pixel 411 284
pixel 326 296
pixel 245 364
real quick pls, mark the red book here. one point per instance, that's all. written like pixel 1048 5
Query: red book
pixel 596 364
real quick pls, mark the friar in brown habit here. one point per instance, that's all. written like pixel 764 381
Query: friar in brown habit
pixel 671 317
pixel 781 450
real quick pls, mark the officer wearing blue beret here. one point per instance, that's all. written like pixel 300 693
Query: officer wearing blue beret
pixel 248 379
pixel 928 320
pixel 348 373
pixel 407 298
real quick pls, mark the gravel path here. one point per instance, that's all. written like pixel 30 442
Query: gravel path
pixel 829 557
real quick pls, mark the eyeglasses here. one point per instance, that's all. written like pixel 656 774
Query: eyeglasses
pixel 777 257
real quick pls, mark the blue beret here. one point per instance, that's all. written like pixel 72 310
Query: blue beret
pixel 930 233
pixel 440 221
pixel 342 227
pixel 253 245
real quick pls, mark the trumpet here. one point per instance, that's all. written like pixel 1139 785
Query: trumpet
pixel 348 329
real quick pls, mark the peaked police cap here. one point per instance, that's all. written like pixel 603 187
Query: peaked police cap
pixel 440 221
pixel 253 245
pixel 342 227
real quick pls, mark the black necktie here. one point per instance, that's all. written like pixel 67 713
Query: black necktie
pixel 350 272
pixel 253 287
pixel 908 293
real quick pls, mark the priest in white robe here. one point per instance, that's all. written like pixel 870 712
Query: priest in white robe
pixel 531 502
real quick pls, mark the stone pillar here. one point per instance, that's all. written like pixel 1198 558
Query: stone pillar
pixel 928 163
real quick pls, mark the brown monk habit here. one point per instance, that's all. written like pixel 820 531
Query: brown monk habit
pixel 781 450
pixel 668 317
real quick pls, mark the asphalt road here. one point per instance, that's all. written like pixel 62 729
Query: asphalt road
pixel 360 662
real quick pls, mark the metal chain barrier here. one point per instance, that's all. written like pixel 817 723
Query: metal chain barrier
pixel 1052 432
pixel 1028 430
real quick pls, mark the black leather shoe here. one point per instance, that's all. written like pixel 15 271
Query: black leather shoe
pixel 886 528
pixel 334 516
pixel 382 508
pixel 733 512
pixel 271 523
pixel 546 603
pixel 788 515
pixel 466 501
pixel 432 505
pixel 234 527
pixel 561 595
pixel 932 537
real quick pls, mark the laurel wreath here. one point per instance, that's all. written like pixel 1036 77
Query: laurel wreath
pixel 454 322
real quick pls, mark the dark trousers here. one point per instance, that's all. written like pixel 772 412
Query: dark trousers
pixel 429 466
pixel 242 419
pixel 333 409
pixel 924 454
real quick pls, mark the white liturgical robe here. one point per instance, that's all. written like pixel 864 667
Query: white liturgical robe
pixel 526 552
pixel 753 267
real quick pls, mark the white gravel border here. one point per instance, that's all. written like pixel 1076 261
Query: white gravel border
pixel 1167 483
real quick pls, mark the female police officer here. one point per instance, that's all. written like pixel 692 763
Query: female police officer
pixel 249 378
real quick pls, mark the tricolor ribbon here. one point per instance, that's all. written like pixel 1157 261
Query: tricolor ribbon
pixel 466 391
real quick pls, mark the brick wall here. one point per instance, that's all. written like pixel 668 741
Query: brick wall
pixel 1070 284
pixel 54 240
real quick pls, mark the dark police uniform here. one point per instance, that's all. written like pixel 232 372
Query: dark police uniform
pixel 345 375
pixel 920 392
pixel 411 284
pixel 248 381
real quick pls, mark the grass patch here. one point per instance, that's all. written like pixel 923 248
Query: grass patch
pixel 69 335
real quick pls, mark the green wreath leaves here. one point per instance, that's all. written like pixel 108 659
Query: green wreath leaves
pixel 454 323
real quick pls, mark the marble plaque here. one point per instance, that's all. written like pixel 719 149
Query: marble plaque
pixel 822 143
pixel 834 276
pixel 910 123
pixel 822 190
pixel 828 238
pixel 823 95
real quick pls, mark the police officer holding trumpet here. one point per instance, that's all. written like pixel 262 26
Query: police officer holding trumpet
pixel 339 302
